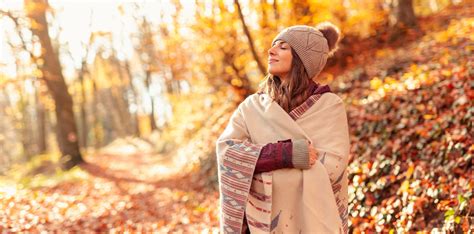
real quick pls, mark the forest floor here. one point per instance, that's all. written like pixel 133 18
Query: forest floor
pixel 410 112
pixel 124 189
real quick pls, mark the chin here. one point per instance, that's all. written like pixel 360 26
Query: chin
pixel 274 73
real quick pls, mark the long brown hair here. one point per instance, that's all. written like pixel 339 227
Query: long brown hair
pixel 293 90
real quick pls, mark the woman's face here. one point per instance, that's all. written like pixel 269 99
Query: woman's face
pixel 279 59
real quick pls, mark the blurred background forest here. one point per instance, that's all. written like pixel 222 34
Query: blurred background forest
pixel 110 109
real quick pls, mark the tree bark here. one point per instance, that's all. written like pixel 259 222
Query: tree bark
pixel 405 14
pixel 261 68
pixel 402 20
pixel 52 73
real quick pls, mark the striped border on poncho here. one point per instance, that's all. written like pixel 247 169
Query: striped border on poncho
pixel 238 165
pixel 301 109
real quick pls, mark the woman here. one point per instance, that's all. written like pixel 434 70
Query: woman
pixel 282 157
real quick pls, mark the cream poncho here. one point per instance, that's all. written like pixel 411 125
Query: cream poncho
pixel 284 200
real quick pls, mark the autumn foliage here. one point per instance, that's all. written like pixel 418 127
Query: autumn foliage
pixel 149 104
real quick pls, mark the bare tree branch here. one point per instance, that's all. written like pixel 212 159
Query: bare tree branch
pixel 249 37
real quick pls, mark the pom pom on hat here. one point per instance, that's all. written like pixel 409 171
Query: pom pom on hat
pixel 331 33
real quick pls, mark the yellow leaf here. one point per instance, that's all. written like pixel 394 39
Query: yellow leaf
pixel 375 83
pixel 446 73
pixel 427 117
pixel 405 186
pixel 389 80
pixel 236 82
pixel 410 170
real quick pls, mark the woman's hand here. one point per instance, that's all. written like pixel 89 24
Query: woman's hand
pixel 313 154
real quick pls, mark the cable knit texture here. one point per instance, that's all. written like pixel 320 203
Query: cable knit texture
pixel 300 154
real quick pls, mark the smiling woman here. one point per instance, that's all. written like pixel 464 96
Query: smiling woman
pixel 279 60
pixel 286 69
pixel 283 155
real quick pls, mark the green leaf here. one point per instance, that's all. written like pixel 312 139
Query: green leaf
pixel 457 219
pixel 449 213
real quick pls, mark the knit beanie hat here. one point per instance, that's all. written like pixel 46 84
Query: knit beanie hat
pixel 312 44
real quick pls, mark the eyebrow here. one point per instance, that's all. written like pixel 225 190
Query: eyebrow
pixel 280 42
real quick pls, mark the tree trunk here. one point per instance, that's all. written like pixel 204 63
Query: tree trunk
pixel 276 13
pixel 96 123
pixel 152 101
pixel 26 124
pixel 405 14
pixel 402 20
pixel 261 68
pixel 42 133
pixel 149 63
pixel 122 97
pixel 52 74
pixel 264 20
pixel 84 125
pixel 135 96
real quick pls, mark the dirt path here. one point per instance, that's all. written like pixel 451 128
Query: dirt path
pixel 119 192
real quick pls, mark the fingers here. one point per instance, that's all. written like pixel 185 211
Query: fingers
pixel 313 158
pixel 313 154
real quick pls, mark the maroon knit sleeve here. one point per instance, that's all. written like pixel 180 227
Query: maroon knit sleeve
pixel 275 156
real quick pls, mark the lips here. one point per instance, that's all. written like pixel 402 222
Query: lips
pixel 270 61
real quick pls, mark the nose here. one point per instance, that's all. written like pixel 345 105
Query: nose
pixel 271 51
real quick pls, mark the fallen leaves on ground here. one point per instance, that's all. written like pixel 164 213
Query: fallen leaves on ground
pixel 119 193
pixel 412 139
